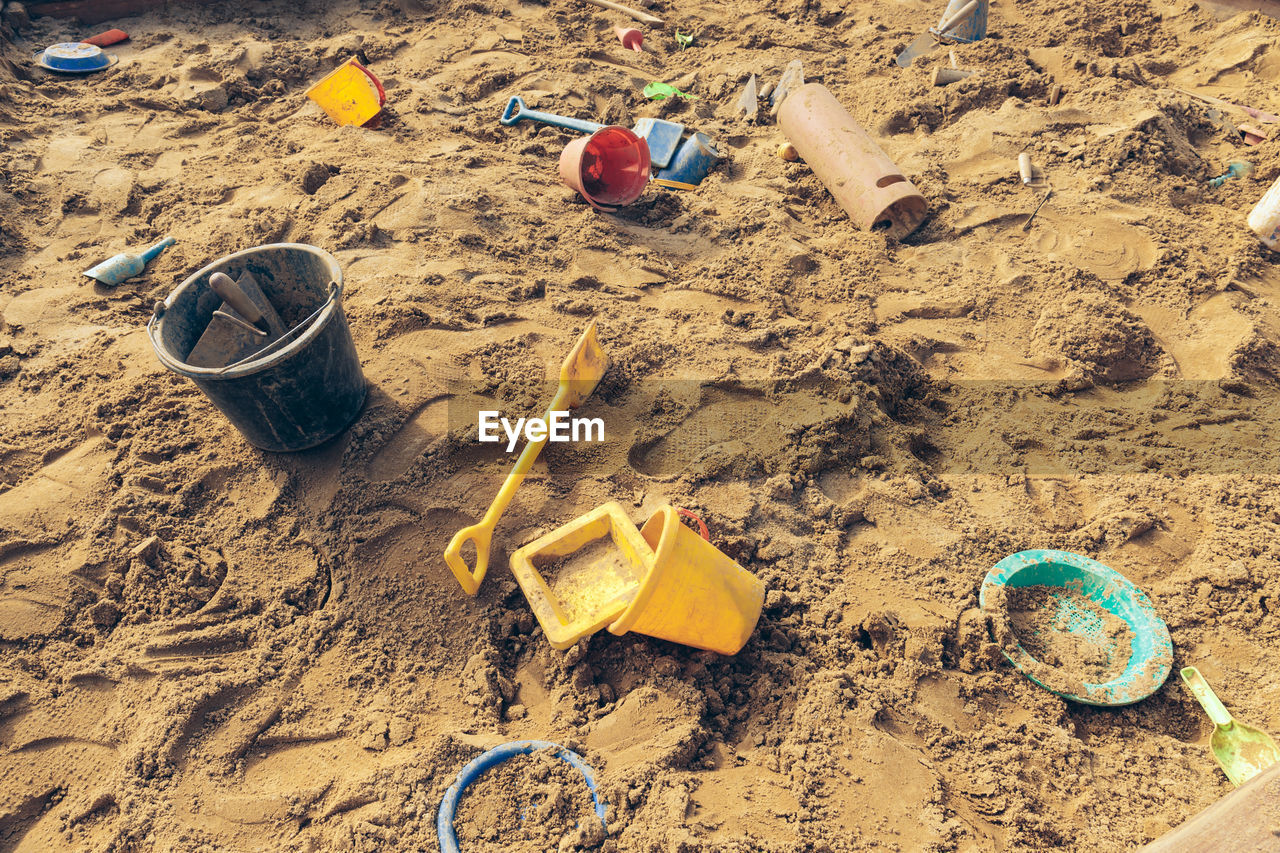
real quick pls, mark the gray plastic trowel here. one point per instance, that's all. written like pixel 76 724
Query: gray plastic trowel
pixel 244 323
pixel 926 42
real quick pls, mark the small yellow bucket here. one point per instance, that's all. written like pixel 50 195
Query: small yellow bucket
pixel 692 593
pixel 350 94
pixel 597 559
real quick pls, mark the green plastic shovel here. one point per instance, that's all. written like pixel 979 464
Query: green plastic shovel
pixel 1242 751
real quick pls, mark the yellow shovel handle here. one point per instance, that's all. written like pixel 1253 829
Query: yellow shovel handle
pixel 481 533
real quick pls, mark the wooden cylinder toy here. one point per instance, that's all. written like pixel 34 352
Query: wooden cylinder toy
pixel 1264 219
pixel 864 181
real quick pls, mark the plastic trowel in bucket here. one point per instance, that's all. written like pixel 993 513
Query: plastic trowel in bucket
pixel 1242 751
pixel 244 323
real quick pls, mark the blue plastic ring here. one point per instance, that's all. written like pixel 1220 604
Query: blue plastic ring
pixel 492 758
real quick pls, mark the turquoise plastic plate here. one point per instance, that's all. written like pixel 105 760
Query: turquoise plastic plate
pixel 1151 658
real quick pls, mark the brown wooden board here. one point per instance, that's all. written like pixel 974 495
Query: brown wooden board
pixel 94 11
pixel 1245 821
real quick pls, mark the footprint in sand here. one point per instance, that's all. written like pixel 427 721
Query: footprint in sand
pixel 1109 249
pixel 37 557
pixel 56 754
pixel 33 594
pixel 255 762
pixel 53 769
pixel 725 421
pixel 729 424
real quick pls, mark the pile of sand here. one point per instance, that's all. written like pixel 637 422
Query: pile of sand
pixel 206 647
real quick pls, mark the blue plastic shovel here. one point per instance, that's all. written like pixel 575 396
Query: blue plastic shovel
pixel 123 267
pixel 662 136
pixel 516 112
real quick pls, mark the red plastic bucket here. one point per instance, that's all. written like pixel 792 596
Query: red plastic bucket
pixel 610 168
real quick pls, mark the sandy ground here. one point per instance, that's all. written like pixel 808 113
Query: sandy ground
pixel 868 425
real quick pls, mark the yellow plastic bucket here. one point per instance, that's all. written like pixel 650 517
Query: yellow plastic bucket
pixel 350 94
pixel 598 559
pixel 692 594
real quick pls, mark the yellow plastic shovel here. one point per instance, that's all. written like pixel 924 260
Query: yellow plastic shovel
pixel 579 376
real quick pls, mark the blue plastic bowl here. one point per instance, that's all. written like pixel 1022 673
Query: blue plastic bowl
pixel 492 758
pixel 75 58
pixel 1151 657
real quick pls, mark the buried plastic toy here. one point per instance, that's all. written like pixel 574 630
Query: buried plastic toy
pixel 1151 659
pixel 477 766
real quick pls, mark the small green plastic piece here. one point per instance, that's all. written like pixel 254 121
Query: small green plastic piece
pixel 682 40
pixel 658 91
pixel 1241 750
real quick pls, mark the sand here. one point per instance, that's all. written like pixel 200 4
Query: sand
pixel 596 573
pixel 867 425
pixel 1041 618
pixel 528 804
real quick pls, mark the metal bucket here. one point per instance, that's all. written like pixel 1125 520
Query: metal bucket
pixel 299 391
